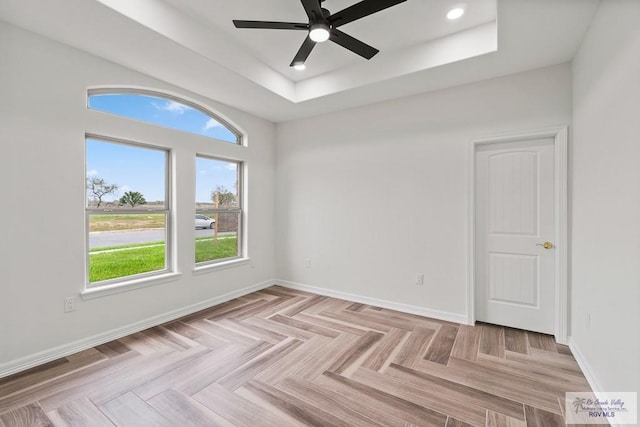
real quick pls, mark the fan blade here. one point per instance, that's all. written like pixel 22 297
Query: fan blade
pixel 360 10
pixel 303 53
pixel 313 9
pixel 270 25
pixel 354 45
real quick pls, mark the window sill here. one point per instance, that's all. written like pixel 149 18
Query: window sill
pixel 203 269
pixel 128 285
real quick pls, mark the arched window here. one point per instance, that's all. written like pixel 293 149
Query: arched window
pixel 135 174
pixel 163 110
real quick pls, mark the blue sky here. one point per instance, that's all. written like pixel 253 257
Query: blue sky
pixel 142 169
pixel 210 174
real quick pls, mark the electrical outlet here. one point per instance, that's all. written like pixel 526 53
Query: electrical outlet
pixel 307 263
pixel 420 279
pixel 69 304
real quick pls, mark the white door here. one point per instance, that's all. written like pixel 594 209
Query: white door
pixel 515 217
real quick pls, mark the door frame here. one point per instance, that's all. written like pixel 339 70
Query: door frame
pixel 560 138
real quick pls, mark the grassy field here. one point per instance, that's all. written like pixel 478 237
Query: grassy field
pixel 127 260
pixel 207 250
pixel 107 222
pixel 130 245
pixel 109 265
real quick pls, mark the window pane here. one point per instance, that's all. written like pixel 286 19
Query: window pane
pixel 125 176
pixel 127 210
pixel 217 190
pixel 163 112
pixel 122 245
pixel 218 240
pixel 217 184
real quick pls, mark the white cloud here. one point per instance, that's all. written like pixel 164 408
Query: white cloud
pixel 230 166
pixel 92 172
pixel 124 188
pixel 211 123
pixel 172 107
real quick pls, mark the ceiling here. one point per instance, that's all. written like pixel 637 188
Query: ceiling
pixel 403 26
pixel 193 44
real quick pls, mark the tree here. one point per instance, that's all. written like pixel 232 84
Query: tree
pixel 132 198
pixel 221 198
pixel 98 188
pixel 225 197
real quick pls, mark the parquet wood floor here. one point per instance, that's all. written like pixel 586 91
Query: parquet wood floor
pixel 280 357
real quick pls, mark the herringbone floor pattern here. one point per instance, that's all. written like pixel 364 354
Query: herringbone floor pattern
pixel 281 357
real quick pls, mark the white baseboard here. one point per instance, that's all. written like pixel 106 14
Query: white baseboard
pixel 593 381
pixel 406 308
pixel 584 365
pixel 49 355
pixel 589 374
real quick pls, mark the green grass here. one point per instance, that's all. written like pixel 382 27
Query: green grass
pixel 110 265
pixel 130 245
pixel 136 260
pixel 136 245
pixel 208 250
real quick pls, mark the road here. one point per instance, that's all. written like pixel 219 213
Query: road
pixel 115 238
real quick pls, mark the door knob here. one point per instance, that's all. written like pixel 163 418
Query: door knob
pixel 546 245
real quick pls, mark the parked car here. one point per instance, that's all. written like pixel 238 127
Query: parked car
pixel 203 221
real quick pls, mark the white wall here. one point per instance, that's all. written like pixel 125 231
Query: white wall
pixel 606 197
pixel 375 195
pixel 43 118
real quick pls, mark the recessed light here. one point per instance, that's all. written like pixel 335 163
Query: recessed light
pixel 455 13
pixel 299 67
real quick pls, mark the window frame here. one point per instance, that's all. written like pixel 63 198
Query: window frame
pixel 182 147
pixel 167 211
pixel 240 254
pixel 240 140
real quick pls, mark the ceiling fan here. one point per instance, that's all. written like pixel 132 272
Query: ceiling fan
pixel 323 26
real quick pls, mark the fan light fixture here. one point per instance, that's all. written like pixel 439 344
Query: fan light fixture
pixel 319 32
